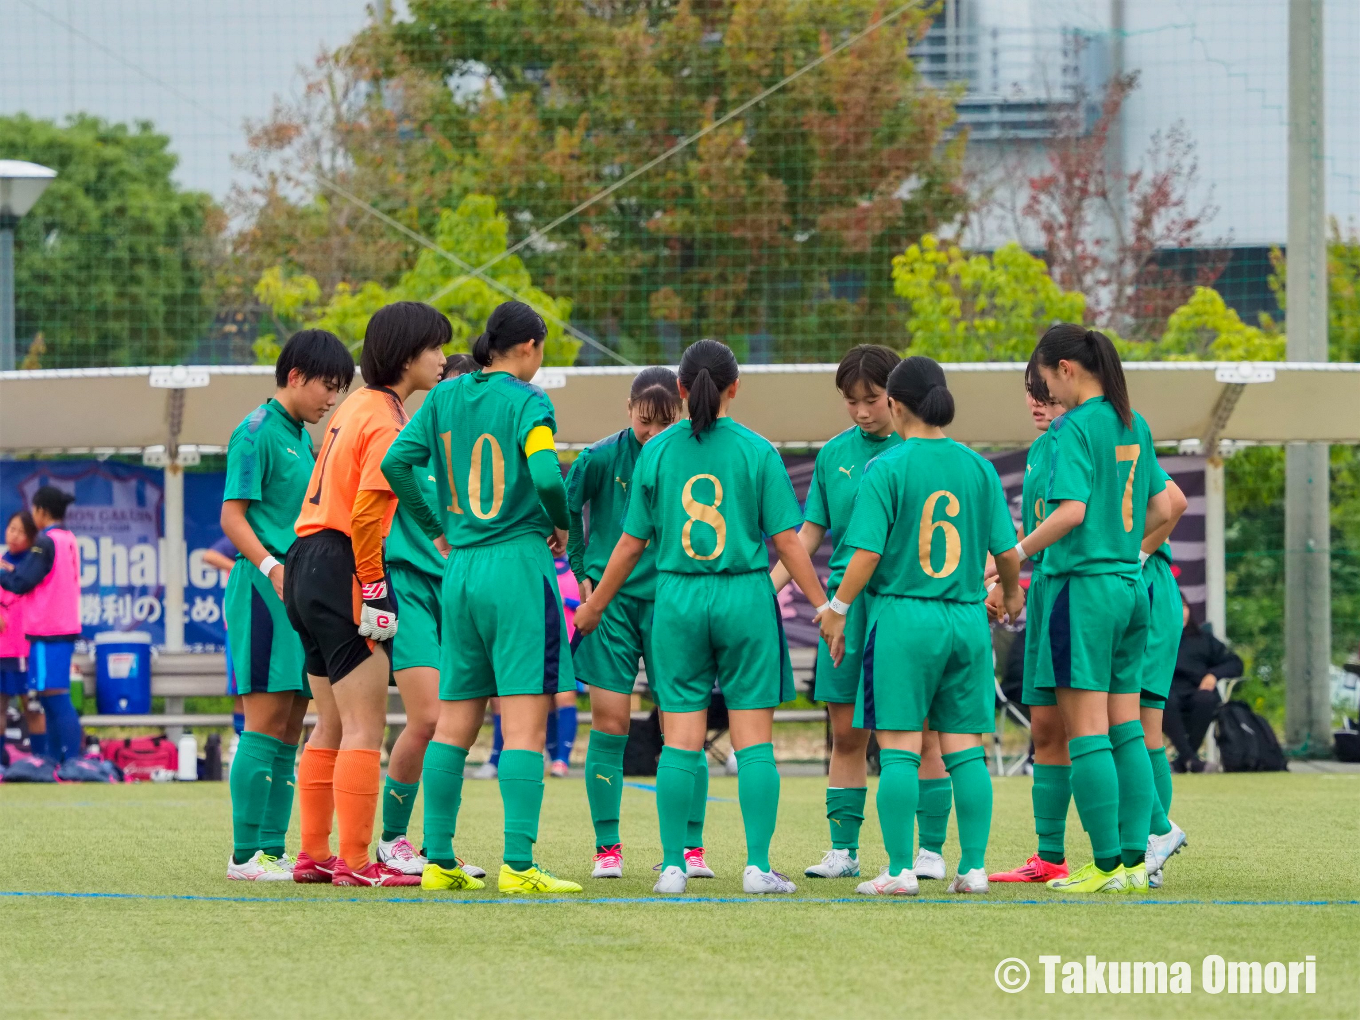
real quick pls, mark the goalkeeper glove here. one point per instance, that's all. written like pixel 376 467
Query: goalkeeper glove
pixel 378 618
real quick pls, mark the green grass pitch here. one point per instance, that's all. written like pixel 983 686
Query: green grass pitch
pixel 236 950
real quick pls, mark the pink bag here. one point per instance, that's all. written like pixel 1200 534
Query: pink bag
pixel 142 758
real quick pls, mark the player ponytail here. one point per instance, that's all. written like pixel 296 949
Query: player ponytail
pixel 1093 351
pixel 511 324
pixel 655 395
pixel 918 384
pixel 707 369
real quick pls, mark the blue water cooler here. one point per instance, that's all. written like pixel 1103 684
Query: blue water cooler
pixel 122 662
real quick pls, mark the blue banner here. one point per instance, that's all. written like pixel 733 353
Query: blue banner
pixel 118 519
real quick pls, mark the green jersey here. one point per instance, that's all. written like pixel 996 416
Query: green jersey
pixel 835 480
pixel 1114 471
pixel 601 478
pixel 1033 509
pixel 707 501
pixel 475 427
pixel 407 543
pixel 932 509
pixel 1164 550
pixel 269 462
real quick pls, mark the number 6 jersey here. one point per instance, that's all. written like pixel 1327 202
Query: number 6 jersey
pixel 706 502
pixel 932 509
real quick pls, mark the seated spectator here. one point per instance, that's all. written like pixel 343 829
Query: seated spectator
pixel 1203 660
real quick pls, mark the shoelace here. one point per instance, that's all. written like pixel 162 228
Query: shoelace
pixel 403 851
pixel 270 863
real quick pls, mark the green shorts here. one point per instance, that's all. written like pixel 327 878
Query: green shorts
pixel 1093 633
pixel 840 684
pixel 416 595
pixel 266 651
pixel 711 628
pixel 1165 623
pixel 504 630
pixel 1034 622
pixel 927 658
pixel 608 656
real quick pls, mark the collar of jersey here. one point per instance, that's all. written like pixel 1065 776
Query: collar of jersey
pixel 873 438
pixel 274 405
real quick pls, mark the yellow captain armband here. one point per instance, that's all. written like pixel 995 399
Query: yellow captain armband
pixel 540 438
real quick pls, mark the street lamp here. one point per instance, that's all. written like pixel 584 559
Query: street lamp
pixel 21 184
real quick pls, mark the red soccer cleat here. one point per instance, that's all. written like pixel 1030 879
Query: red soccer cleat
pixel 1036 869
pixel 308 870
pixel 371 874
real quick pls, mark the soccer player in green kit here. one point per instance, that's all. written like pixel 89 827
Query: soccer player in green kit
pixel 269 463
pixel 415 567
pixel 1105 495
pixel 704 493
pixel 504 514
pixel 606 659
pixel 927 514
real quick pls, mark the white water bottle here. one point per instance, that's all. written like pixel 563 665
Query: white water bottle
pixel 188 759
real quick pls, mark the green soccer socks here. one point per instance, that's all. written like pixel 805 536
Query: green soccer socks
pixel 972 803
pixel 1095 788
pixel 698 805
pixel 1051 795
pixel 1161 781
pixel 899 791
pixel 758 792
pixel 278 809
pixel 932 813
pixel 1136 792
pixel 676 772
pixel 521 781
pixel 845 815
pixel 397 801
pixel 251 776
pixel 443 777
pixel 604 784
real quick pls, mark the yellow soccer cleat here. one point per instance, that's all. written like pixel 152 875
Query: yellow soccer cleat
pixel 437 879
pixel 1136 880
pixel 533 879
pixel 1090 879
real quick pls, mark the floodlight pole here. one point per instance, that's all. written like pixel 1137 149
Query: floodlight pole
pixel 7 225
pixel 1308 589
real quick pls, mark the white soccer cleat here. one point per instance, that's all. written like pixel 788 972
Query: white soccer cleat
pixel 1154 879
pixel 755 881
pixel 695 864
pixel 401 855
pixel 730 766
pixel 470 870
pixel 672 880
pixel 974 881
pixel 1161 848
pixel 929 864
pixel 486 771
pixel 260 868
pixel 835 864
pixel 609 863
pixel 886 884
pixel 286 862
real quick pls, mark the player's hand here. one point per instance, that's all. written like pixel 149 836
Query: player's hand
pixel 377 619
pixel 996 610
pixel 3 624
pixel 557 542
pixel 276 579
pixel 586 587
pixel 442 544
pixel 832 626
pixel 1015 604
pixel 587 618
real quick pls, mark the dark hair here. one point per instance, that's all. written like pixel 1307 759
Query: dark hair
pixel 52 501
pixel 870 364
pixel 458 364
pixel 919 383
pixel 1093 351
pixel 396 334
pixel 1193 626
pixel 25 522
pixel 655 394
pixel 1034 381
pixel 317 354
pixel 707 368
pixel 512 323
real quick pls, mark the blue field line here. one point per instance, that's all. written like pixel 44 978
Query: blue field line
pixel 671 900
pixel 651 788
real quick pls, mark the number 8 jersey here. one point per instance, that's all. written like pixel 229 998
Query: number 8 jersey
pixel 932 509
pixel 706 502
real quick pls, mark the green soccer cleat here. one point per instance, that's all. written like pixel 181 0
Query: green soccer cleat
pixel 1090 879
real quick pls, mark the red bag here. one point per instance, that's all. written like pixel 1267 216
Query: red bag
pixel 142 758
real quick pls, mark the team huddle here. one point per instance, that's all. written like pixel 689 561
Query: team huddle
pixel 422 550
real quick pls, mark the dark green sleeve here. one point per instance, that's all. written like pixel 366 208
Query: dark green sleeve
pixel 412 451
pixel 547 476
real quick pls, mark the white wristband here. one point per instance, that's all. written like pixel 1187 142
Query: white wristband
pixel 1020 551
pixel 837 606
pixel 268 564
pixel 1143 557
pixel 823 608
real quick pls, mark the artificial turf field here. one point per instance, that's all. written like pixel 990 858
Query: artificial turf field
pixel 113 904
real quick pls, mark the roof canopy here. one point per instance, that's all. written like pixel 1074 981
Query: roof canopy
pixel 127 409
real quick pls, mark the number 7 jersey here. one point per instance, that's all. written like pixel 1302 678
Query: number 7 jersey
pixel 707 502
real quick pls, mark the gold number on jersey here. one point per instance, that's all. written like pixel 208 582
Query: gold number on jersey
pixel 953 545
pixel 453 506
pixel 1121 454
pixel 708 514
pixel 1040 508
pixel 497 477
